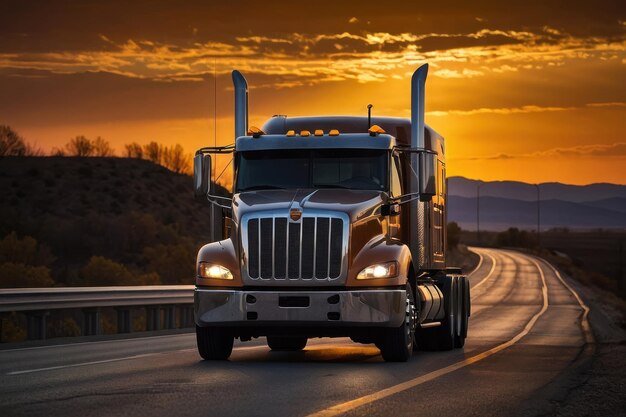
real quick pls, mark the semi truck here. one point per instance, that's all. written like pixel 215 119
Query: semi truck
pixel 335 227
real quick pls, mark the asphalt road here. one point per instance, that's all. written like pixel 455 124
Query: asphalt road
pixel 527 327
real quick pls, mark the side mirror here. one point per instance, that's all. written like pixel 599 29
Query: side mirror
pixel 427 176
pixel 201 176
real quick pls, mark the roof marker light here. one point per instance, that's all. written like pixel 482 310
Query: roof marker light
pixel 291 133
pixel 333 132
pixel 255 132
pixel 375 130
pixel 319 132
pixel 305 133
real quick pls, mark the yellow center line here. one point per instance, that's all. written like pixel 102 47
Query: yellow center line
pixel 338 409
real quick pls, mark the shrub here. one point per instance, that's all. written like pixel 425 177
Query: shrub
pixel 13 275
pixel 454 235
pixel 79 146
pixel 101 271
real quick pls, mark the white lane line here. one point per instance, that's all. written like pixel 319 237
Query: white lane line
pixel 350 405
pixel 74 365
pixel 584 320
pixel 52 368
pixel 69 345
pixel 493 267
pixel 480 261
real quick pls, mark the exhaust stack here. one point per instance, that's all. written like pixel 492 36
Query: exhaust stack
pixel 241 104
pixel 417 240
pixel 418 85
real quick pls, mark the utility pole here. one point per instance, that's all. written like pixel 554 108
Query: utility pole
pixel 621 277
pixel 480 183
pixel 538 216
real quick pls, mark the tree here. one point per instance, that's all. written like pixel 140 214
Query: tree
pixel 174 159
pixel 79 146
pixel 153 152
pixel 17 275
pixel 454 235
pixel 134 150
pixel 102 271
pixel 24 251
pixel 102 148
pixel 11 143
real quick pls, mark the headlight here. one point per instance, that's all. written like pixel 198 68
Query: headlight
pixel 207 270
pixel 384 270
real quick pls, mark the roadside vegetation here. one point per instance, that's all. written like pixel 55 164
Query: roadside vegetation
pixel 84 217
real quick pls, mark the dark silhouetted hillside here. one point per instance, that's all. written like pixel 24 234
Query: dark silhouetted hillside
pixel 134 219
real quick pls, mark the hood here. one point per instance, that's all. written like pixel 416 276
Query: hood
pixel 355 203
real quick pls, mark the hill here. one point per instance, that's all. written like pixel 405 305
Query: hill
pixel 134 219
pixel 464 187
pixel 501 213
pixel 505 204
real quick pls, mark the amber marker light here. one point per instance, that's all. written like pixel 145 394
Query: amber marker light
pixel 291 133
pixel 333 132
pixel 255 132
pixel 305 133
pixel 375 130
pixel 319 132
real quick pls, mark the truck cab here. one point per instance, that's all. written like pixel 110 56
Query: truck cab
pixel 335 228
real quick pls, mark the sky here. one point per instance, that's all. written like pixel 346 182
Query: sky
pixel 528 91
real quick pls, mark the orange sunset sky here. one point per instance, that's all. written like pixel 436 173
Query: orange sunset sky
pixel 523 91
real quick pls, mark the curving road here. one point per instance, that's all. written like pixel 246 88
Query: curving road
pixel 527 327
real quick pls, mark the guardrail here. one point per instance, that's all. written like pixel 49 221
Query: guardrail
pixel 166 306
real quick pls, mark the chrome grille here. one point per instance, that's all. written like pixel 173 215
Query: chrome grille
pixel 278 248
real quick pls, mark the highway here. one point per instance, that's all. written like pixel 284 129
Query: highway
pixel 527 327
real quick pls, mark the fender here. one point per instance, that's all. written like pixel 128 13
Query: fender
pixel 380 249
pixel 221 253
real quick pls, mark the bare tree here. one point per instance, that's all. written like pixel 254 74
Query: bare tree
pixel 134 150
pixel 79 146
pixel 11 143
pixel 102 148
pixel 175 159
pixel 153 152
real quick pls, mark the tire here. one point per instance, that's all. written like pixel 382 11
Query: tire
pixel 396 344
pixel 280 343
pixel 214 343
pixel 463 310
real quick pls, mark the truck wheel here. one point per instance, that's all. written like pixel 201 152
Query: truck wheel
pixel 214 343
pixel 286 343
pixel 444 336
pixel 463 300
pixel 396 344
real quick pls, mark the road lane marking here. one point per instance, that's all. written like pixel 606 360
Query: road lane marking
pixel 584 320
pixel 74 365
pixel 67 345
pixel 52 368
pixel 379 395
pixel 480 261
pixel 493 267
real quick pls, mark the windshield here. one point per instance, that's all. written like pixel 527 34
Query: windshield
pixel 356 169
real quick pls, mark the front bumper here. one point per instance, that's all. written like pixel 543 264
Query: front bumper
pixel 359 308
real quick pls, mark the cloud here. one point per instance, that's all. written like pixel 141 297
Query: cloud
pixel 304 59
pixel 519 110
pixel 594 150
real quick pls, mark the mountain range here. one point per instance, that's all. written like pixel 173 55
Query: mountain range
pixel 505 204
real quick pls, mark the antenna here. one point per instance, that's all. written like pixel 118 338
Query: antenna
pixel 369 115
pixel 215 102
